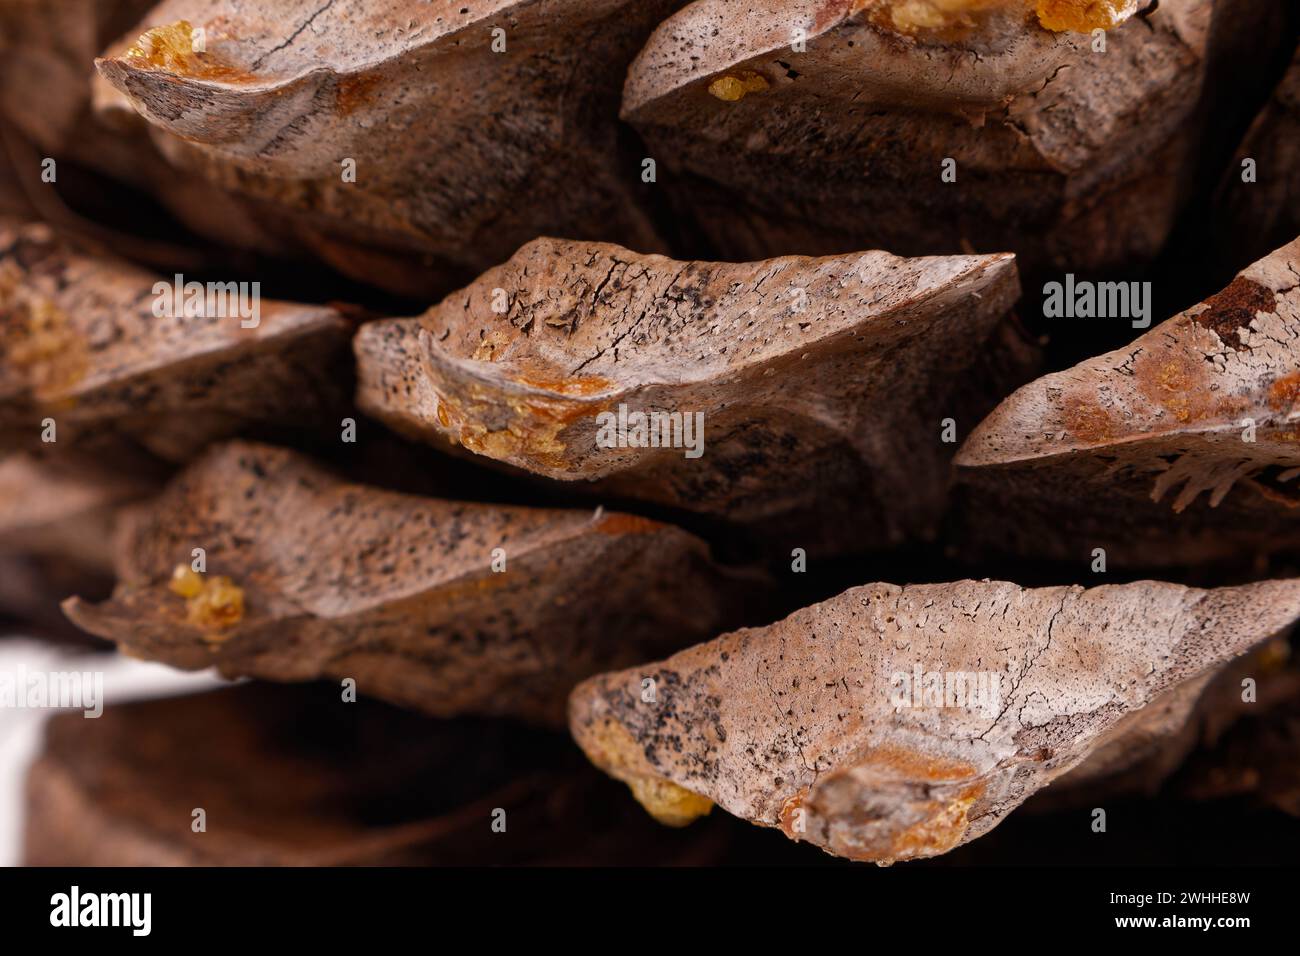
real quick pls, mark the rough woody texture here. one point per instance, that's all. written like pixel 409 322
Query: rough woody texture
pixel 1158 740
pixel 80 343
pixel 575 457
pixel 796 725
pixel 823 383
pixel 48 87
pixel 1064 154
pixel 295 777
pixel 308 576
pixel 461 152
pixel 1178 448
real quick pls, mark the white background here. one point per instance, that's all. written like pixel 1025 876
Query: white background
pixel 21 730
